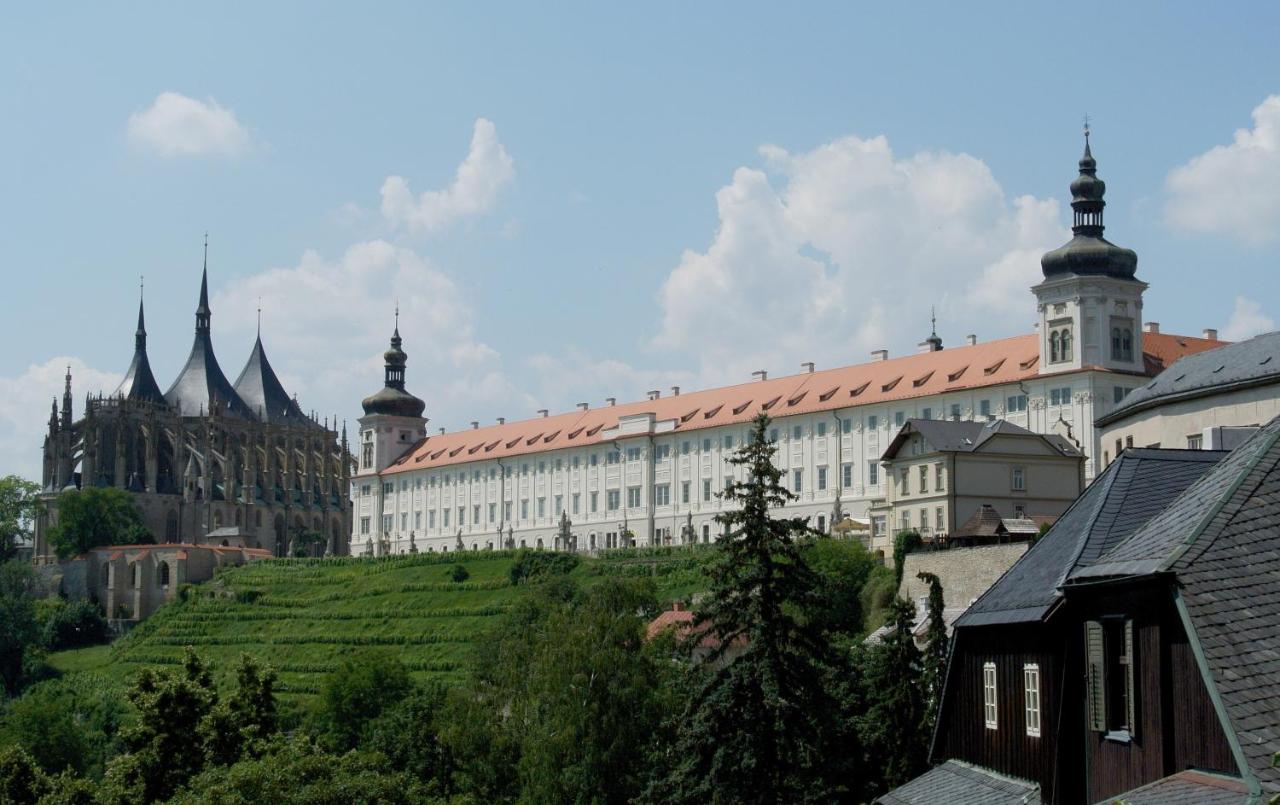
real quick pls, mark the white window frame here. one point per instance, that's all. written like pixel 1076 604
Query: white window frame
pixel 990 709
pixel 1031 694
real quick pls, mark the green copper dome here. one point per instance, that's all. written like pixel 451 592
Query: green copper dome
pixel 1088 253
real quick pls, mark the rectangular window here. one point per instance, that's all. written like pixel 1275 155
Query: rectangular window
pixel 822 478
pixel 493 512
pixel 773 435
pixel 822 429
pixel 873 422
pixel 613 500
pixel 506 511
pixel 661 452
pixel 846 426
pixel 462 516
pixel 431 519
pixel 633 454
pixel 955 411
pixel 386 523
pixel 899 417
pixel 984 409
pixel 873 473
pixel 706 490
pixel 927 413
pixel 1195 442
pixel 904 481
pixel 1060 396
pixel 524 510
pixel 524 469
pixel 684 492
pixel 846 475
pixel 633 497
pixel 577 462
pixel 661 494
pixel 1016 403
pixel 542 507
pixel 797 481
pixel 1119 393
pixel 595 502
pixel 989 714
pixel 559 464
pixel 475 514
pixel 577 500
pixel 1018 479
pixel 728 442
pixel 542 467
pixel 595 459
pixel 559 507
pixel 939 479
pixel 906 520
pixel 445 515
pixel 797 432
pixel 364 525
pixel 1109 658
pixel 924 479
pixel 417 519
pixel 1031 695
pixel 611 457
pixel 706 445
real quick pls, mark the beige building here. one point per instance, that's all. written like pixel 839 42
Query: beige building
pixel 1209 401
pixel 940 473
pixel 133 581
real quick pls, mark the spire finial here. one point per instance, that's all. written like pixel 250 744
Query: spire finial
pixel 259 317
pixel 397 316
pixel 933 321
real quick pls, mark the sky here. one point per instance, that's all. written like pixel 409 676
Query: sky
pixel 576 201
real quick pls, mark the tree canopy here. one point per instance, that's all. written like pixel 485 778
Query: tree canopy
pixel 88 518
pixel 19 505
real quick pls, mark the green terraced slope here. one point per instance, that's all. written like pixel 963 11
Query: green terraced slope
pixel 302 616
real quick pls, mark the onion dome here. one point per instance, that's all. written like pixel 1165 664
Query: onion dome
pixel 393 400
pixel 263 392
pixel 201 385
pixel 139 383
pixel 1088 253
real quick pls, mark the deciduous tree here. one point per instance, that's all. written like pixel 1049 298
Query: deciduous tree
pixel 18 508
pixel 96 516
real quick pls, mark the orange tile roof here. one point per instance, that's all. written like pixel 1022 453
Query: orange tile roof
pixel 1007 360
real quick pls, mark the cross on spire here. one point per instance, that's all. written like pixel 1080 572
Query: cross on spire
pixel 1086 125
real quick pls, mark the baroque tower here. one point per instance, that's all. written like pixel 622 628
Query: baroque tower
pixel 1090 302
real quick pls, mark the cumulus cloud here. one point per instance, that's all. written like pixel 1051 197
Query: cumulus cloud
pixel 1247 320
pixel 827 254
pixel 1234 189
pixel 326 323
pixel 175 125
pixel 480 178
pixel 24 408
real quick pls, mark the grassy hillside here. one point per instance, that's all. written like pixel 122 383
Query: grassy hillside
pixel 303 615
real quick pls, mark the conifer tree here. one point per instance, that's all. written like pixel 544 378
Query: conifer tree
pixel 892 729
pixel 934 663
pixel 761 726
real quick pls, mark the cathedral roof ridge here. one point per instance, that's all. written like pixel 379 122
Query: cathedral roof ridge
pixel 261 390
pixel 201 384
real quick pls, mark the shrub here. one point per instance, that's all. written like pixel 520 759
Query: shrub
pixel 458 574
pixel 530 565
pixel 73 624
pixel 904 543
pixel 356 693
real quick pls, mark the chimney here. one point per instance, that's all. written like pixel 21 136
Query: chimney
pixel 583 406
pixel 542 412
pixel 675 391
pixel 807 366
pixel 880 355
pixel 971 339
pixel 1151 327
pixel 502 420
pixel 1211 334
pixel 655 394
pixel 610 401
pixel 760 374
pixel 475 425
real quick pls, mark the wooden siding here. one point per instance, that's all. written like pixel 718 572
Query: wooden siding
pixel 1196 740
pixel 1007 749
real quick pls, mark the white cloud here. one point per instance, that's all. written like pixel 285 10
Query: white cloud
pixel 1247 320
pixel 175 125
pixel 1234 189
pixel 480 178
pixel 24 409
pixel 846 251
pixel 327 322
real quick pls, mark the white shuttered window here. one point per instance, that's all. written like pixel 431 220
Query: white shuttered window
pixel 1031 690
pixel 989 695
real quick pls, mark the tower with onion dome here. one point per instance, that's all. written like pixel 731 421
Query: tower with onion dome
pixel 1089 304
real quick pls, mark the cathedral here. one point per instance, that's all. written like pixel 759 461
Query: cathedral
pixel 209 462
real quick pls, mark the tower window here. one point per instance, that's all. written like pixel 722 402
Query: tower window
pixel 1122 342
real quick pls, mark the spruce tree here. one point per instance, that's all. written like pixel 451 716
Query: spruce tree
pixel 934 663
pixel 891 727
pixel 762 726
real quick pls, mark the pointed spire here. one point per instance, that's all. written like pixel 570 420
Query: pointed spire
pixel 140 335
pixel 66 401
pixel 202 311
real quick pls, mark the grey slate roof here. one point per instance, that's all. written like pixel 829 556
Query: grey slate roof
pixel 139 383
pixel 1248 363
pixel 959 436
pixel 1189 788
pixel 201 382
pixel 263 392
pixel 1137 486
pixel 1222 540
pixel 957 783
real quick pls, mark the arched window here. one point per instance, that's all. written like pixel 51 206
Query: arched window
pixel 164 575
pixel 706 534
pixel 1066 344
pixel 1054 347
pixel 539 544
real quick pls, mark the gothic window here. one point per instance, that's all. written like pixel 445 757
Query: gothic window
pixel 164 575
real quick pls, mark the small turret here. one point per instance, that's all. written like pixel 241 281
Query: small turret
pixel 1088 253
pixel 393 399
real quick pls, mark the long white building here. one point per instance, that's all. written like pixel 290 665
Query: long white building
pixel 653 468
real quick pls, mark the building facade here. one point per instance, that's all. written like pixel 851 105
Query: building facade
pixel 206 455
pixel 650 472
pixel 133 581
pixel 1211 400
pixel 941 473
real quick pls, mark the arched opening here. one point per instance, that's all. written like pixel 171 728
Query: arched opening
pixel 164 575
pixel 1066 345
pixel 225 544
pixel 706 534
pixel 1055 345
pixel 822 524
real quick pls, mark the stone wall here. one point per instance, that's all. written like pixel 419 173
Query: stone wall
pixel 966 573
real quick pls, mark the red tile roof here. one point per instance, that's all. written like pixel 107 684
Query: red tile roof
pixel 1007 360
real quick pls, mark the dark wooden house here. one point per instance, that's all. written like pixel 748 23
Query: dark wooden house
pixel 1133 653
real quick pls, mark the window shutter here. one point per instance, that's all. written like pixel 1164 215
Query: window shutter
pixel 1129 664
pixel 1095 663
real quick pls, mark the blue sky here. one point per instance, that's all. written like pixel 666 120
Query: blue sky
pixel 618 197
